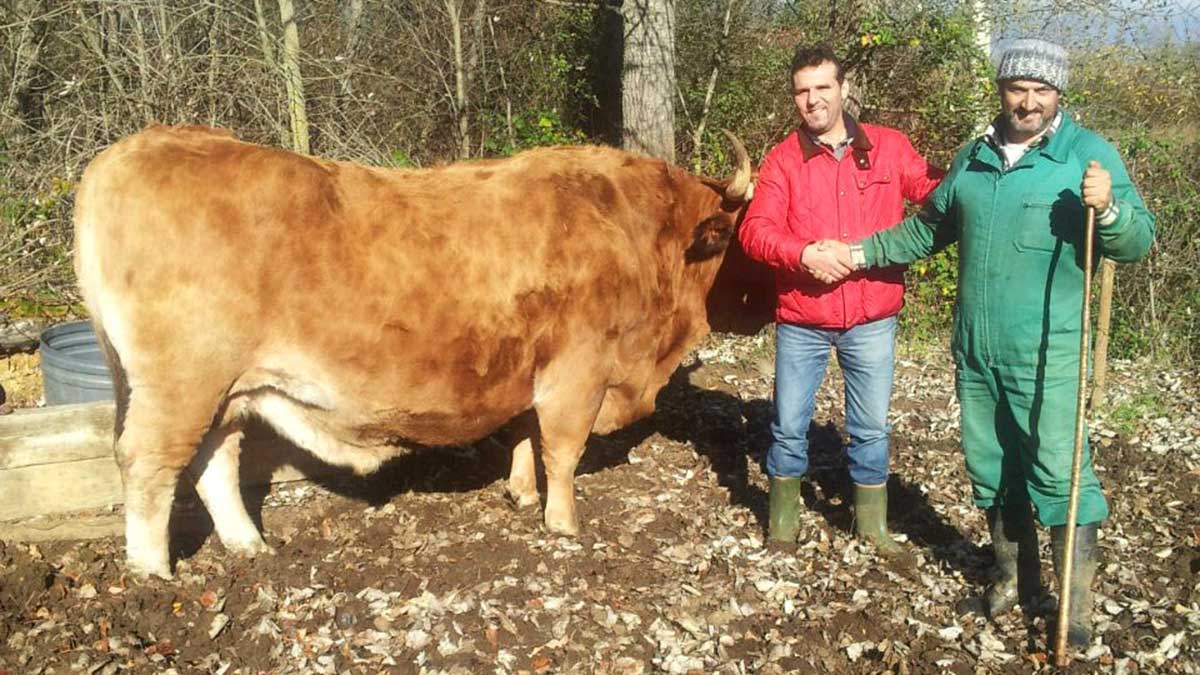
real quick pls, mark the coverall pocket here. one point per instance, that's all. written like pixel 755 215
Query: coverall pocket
pixel 1034 225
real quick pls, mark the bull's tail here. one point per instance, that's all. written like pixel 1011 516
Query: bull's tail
pixel 120 380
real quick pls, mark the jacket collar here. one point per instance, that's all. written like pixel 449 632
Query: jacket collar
pixel 1055 144
pixel 1058 146
pixel 859 143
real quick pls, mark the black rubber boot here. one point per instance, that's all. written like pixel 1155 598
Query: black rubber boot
pixel 783 524
pixel 1017 574
pixel 870 519
pixel 1083 573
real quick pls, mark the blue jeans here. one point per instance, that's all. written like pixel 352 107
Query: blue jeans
pixel 866 354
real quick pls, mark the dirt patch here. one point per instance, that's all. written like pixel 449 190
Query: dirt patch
pixel 427 566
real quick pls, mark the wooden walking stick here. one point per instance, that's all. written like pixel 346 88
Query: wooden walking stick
pixel 1064 587
pixel 1108 272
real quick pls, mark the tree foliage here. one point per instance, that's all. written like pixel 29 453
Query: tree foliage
pixel 381 85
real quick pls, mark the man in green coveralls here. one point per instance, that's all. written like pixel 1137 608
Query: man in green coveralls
pixel 1014 201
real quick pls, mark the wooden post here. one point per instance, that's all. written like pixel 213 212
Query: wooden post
pixel 1108 272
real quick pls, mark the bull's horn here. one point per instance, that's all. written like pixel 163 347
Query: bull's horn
pixel 739 185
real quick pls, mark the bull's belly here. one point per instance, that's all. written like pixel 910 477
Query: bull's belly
pixel 356 434
pixel 623 406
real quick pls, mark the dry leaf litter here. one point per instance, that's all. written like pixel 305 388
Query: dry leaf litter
pixel 427 568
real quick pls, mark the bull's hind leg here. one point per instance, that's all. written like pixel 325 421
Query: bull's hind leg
pixel 219 487
pixel 565 418
pixel 156 445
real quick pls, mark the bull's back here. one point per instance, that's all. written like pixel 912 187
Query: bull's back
pixel 200 202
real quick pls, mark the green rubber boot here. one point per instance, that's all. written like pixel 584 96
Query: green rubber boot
pixel 1017 574
pixel 784 519
pixel 870 519
pixel 1083 573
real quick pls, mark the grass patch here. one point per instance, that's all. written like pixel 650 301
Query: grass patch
pixel 1128 416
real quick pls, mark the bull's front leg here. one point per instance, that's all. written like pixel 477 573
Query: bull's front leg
pixel 219 488
pixel 565 423
pixel 522 478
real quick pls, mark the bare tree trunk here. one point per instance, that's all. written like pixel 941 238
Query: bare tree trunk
pixel 475 62
pixel 454 12
pixel 214 30
pixel 292 78
pixel 264 36
pixel 93 36
pixel 172 54
pixel 508 119
pixel 26 55
pixel 352 14
pixel 698 134
pixel 983 26
pixel 267 41
pixel 143 64
pixel 648 80
pixel 168 38
pixel 983 40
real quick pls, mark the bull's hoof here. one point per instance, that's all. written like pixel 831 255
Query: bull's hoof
pixel 522 499
pixel 562 525
pixel 249 549
pixel 144 571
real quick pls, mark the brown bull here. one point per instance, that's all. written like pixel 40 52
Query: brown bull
pixel 360 310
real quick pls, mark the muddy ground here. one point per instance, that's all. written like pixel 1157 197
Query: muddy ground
pixel 426 566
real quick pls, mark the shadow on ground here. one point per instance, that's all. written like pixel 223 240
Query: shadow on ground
pixel 729 432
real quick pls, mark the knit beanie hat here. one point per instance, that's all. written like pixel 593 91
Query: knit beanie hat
pixel 1030 59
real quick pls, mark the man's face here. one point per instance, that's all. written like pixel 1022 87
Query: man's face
pixel 819 97
pixel 1029 107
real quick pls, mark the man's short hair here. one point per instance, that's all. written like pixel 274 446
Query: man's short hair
pixel 811 56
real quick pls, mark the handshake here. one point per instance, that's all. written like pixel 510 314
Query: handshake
pixel 829 260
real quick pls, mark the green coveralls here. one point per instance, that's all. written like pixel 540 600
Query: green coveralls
pixel 1017 318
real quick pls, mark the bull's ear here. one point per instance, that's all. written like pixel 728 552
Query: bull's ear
pixel 711 238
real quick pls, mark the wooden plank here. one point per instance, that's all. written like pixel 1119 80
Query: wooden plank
pixel 60 459
pixel 55 434
pixel 82 527
pixel 56 488
pixel 102 524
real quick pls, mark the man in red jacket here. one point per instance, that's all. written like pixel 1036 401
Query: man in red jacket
pixel 833 178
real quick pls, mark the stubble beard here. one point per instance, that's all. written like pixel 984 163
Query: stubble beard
pixel 1015 123
pixel 819 130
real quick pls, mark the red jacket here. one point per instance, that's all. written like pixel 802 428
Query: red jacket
pixel 804 194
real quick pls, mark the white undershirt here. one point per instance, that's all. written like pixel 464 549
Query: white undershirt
pixel 1013 152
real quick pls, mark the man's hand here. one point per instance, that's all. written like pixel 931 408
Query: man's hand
pixel 1097 187
pixel 828 260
